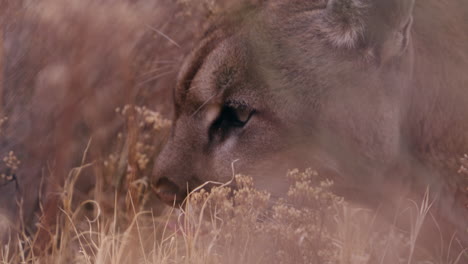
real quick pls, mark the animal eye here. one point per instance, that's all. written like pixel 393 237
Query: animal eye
pixel 238 115
pixel 232 115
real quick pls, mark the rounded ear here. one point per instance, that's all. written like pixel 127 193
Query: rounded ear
pixel 389 29
pixel 395 43
pixel 382 27
pixel 344 22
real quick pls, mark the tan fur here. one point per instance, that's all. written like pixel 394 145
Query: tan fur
pixel 66 67
pixel 369 93
pixel 353 88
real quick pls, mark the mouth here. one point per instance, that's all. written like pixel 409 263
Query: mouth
pixel 169 193
pixel 169 198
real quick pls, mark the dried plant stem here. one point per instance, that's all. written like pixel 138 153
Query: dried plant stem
pixel 2 54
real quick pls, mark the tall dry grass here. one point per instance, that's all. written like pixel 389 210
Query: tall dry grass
pixel 226 225
pixel 120 221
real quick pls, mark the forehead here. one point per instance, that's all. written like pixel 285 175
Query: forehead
pixel 269 49
pixel 214 68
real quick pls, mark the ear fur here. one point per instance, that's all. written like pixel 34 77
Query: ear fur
pixel 382 27
pixel 343 23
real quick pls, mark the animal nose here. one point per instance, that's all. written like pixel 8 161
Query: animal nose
pixel 168 192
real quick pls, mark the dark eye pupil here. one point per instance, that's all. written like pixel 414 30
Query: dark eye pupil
pixel 230 118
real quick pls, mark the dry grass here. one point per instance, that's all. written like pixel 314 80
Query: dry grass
pixel 242 225
pixel 119 221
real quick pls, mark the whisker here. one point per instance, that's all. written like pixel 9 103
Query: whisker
pixel 163 35
pixel 206 102
pixel 155 77
pixel 154 70
pixel 166 61
pixel 192 88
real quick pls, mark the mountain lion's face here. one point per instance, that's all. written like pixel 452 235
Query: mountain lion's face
pixel 291 84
